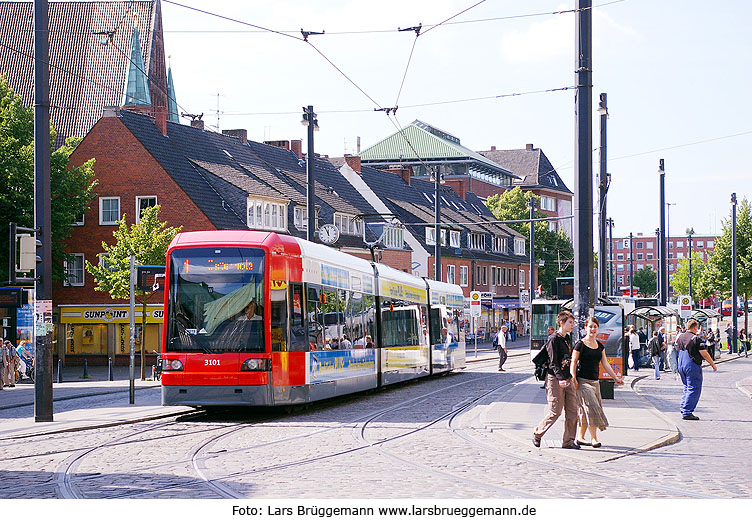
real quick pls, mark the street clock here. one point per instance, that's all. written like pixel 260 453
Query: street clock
pixel 328 234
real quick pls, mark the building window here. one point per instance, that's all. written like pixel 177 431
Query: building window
pixel 109 211
pixel 700 243
pixel 650 267
pixel 476 241
pixel 454 239
pixel 499 244
pixel 619 267
pixel 639 245
pixel 463 276
pixel 710 244
pixel 548 203
pixel 650 245
pixel 671 245
pixel 79 220
pixel 430 236
pixel 670 254
pixel 266 215
pixel 393 237
pixel 348 224
pixel 680 245
pixel 103 262
pixel 680 255
pixel 620 279
pixel 650 256
pixel 451 274
pixel 493 275
pixel 640 256
pixel 620 256
pixel 640 266
pixel 519 246
pixel 142 203
pixel 522 278
pixel 443 237
pixel 620 244
pixel 74 270
pixel 484 274
pixel 671 267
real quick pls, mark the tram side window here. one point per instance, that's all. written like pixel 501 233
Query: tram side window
pixel 399 322
pixel 279 319
pixel 369 319
pixel 355 320
pixel 332 316
pixel 314 316
pixel 298 335
pixel 436 325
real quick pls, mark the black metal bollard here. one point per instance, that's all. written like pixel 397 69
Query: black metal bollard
pixel 109 369
pixel 59 371
pixel 86 370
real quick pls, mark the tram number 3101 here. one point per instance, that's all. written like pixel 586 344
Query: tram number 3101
pixel 211 362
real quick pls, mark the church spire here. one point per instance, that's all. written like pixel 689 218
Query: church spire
pixel 172 104
pixel 137 82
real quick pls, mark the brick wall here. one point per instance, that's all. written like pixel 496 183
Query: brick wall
pixel 125 169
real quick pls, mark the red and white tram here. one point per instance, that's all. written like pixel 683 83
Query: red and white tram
pixel 257 318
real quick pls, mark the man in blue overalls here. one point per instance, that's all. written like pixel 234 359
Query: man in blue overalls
pixel 691 354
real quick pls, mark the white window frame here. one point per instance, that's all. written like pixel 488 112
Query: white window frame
pixel 431 236
pixel 138 205
pixel 463 276
pixel 102 221
pixel 266 215
pixel 700 243
pixel 649 245
pixel 81 222
pixel 476 241
pixel 499 244
pixel 451 274
pixel 522 279
pixel 620 256
pixel 454 238
pixel 680 245
pixel 710 244
pixel 68 271
pixel 519 246
pixel 348 224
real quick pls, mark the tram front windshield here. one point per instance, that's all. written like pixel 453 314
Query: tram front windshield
pixel 216 300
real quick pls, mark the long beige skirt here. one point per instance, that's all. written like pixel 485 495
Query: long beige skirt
pixel 590 404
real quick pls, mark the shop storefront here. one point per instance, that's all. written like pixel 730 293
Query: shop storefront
pixel 101 332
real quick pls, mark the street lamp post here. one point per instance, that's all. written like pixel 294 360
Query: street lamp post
pixel 309 120
pixel 603 189
pixel 668 243
pixel 690 232
pixel 532 248
pixel 611 276
pixel 631 267
pixel 658 261
pixel 663 286
pixel 734 301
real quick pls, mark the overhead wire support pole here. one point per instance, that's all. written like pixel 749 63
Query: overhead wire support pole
pixel 583 197
pixel 602 191
pixel 662 242
pixel 42 209
pixel 309 119
pixel 734 291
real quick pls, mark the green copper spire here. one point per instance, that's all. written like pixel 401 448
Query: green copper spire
pixel 137 82
pixel 172 105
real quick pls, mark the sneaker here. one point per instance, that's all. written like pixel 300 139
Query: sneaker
pixel 536 441
pixel 502 369
pixel 691 416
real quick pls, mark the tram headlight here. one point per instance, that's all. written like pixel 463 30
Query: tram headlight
pixel 172 365
pixel 256 364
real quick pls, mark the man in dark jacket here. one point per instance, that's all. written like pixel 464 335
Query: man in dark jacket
pixel 560 391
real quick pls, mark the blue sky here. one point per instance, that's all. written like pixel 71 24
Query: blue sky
pixel 677 75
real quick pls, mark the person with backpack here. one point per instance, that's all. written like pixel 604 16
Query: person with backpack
pixel 560 391
pixel 691 355
pixel 500 343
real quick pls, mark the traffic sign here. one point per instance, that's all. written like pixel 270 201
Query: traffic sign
pixel 685 306
pixel 524 298
pixel 475 303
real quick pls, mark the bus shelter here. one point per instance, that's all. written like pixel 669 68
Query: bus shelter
pixel 708 318
pixel 651 318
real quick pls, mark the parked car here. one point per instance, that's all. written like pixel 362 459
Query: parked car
pixel 727 306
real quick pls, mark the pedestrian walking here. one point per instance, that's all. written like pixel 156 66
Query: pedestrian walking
pixel 710 343
pixel 743 342
pixel 590 353
pixel 634 347
pixel 3 362
pixel 11 364
pixel 664 347
pixel 560 391
pixel 654 346
pixel 500 343
pixel 690 359
pixel 730 338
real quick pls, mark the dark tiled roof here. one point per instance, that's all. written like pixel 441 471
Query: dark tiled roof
pixel 414 206
pixel 531 165
pixel 85 76
pixel 219 172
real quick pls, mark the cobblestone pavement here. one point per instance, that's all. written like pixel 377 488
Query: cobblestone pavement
pixel 419 440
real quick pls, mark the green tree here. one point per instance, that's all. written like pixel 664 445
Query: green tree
pixel 147 241
pixel 680 278
pixel 645 279
pixel 554 248
pixel 717 275
pixel 72 186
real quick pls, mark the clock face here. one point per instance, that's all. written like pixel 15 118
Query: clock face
pixel 328 233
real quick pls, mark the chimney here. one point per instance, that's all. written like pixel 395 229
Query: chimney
pixel 296 146
pixel 197 123
pixel 160 119
pixel 241 134
pixel 529 147
pixel 404 171
pixel 110 111
pixel 353 162
pixel 493 148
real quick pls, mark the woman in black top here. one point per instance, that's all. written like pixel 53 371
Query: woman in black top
pixel 589 352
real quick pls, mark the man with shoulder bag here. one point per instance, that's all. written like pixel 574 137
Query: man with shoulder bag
pixel 500 343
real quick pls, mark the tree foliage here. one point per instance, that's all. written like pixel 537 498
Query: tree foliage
pixel 72 187
pixel 554 248
pixel 148 241
pixel 680 278
pixel 645 279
